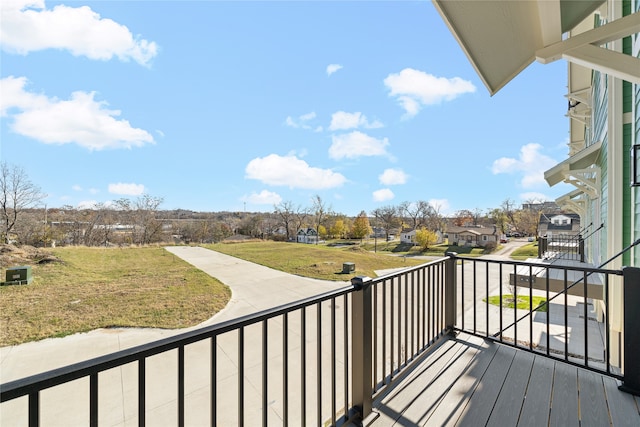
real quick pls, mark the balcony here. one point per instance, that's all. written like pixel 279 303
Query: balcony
pixel 423 346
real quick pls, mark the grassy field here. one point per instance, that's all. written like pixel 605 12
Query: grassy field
pixel 317 261
pixel 81 289
pixel 529 250
pixel 91 288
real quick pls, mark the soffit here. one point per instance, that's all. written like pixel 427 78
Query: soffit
pixel 501 38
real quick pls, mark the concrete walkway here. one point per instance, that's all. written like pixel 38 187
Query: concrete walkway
pixel 254 288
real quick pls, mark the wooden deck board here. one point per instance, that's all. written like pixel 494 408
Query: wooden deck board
pixel 392 407
pixel 469 381
pixel 451 406
pixel 478 410
pixel 621 405
pixel 506 411
pixel 593 402
pixel 535 410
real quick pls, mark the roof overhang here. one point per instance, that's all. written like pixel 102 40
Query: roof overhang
pixel 576 163
pixel 501 38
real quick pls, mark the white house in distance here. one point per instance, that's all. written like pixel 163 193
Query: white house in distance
pixel 409 236
pixel 307 235
pixel 472 236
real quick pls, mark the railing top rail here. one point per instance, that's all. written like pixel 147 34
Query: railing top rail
pixel 24 386
pixel 408 270
pixel 541 265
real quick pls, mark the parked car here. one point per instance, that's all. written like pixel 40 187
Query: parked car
pixel 531 239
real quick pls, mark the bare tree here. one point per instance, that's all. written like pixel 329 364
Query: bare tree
pixel 320 210
pixel 17 193
pixel 286 212
pixel 388 216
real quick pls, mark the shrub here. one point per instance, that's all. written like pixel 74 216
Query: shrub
pixel 490 247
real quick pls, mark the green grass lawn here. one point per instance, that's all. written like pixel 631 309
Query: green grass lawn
pixel 529 250
pixel 409 250
pixel 522 302
pixel 92 288
pixel 316 261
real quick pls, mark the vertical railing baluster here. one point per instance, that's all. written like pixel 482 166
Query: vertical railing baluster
pixel 333 361
pixel 515 308
pixel 214 380
pixel 265 379
pixel 391 328
pixel 285 369
pixel 384 331
pixel 486 296
pixel 423 282
pixel 475 297
pixel 181 386
pixel 346 354
pixel 303 364
pixel 399 349
pixel 530 308
pixel 406 318
pixel 374 291
pixel 566 318
pixel 34 409
pixel 241 376
pixel 548 313
pixel 500 296
pixel 93 400
pixel 319 363
pixel 462 282
pixel 142 390
pixel 586 321
pixel 607 334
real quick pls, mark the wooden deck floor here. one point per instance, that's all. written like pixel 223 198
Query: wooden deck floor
pixel 468 381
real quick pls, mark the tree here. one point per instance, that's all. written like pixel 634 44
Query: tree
pixel 287 214
pixel 338 229
pixel 463 218
pixel 388 216
pixel 425 238
pixel 320 210
pixel 17 193
pixel 361 227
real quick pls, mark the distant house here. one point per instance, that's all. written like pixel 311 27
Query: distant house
pixel 565 223
pixel 472 236
pixel 307 235
pixel 409 236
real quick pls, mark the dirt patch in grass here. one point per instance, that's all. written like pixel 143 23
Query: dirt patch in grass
pixel 90 288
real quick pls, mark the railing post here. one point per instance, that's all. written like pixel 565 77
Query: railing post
pixel 362 332
pixel 581 248
pixel 631 298
pixel 450 290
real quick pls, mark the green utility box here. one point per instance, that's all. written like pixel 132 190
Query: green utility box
pixel 348 267
pixel 19 275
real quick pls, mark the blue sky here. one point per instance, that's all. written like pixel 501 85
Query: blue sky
pixel 231 106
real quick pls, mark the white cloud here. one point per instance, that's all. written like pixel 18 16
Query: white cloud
pixel 414 88
pixel 76 188
pixel 126 189
pixel 80 119
pixel 28 26
pixel 534 196
pixel 356 144
pixel 441 205
pixel 342 120
pixel 393 177
pixel 301 122
pixel 532 164
pixel 292 172
pixel 332 68
pixel 383 195
pixel 265 197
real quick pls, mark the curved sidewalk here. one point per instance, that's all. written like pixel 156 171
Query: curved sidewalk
pixel 254 288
